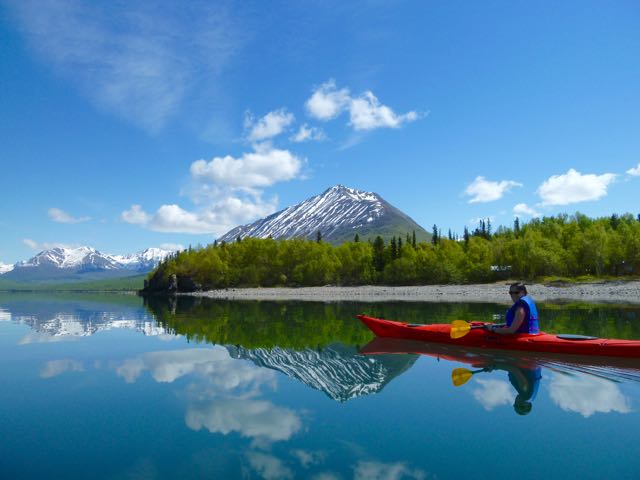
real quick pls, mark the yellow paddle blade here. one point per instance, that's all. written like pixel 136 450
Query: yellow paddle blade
pixel 460 376
pixel 459 328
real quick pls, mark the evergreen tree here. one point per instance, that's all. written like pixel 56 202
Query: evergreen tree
pixel 434 235
pixel 378 254
pixel 516 226
pixel 450 236
pixel 356 239
pixel 318 236
pixel 394 248
pixel 466 236
pixel 413 238
pixel 399 246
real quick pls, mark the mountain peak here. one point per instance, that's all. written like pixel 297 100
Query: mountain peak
pixel 338 214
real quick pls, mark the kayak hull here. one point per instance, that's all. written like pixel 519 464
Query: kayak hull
pixel 482 338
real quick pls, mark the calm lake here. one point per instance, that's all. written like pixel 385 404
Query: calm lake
pixel 106 386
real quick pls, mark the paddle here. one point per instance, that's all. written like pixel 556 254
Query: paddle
pixel 459 328
pixel 461 375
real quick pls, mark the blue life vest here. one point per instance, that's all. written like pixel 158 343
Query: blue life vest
pixel 530 323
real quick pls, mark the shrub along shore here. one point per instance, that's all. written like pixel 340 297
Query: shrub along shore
pixel 562 246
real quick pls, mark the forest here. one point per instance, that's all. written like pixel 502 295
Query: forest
pixel 564 246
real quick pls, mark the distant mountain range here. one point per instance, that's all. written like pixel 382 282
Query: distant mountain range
pixel 338 214
pixel 81 264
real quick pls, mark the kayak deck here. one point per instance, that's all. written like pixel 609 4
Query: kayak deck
pixel 482 338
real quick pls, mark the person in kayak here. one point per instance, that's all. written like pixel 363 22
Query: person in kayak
pixel 522 317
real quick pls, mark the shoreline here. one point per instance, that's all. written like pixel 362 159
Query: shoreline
pixel 597 292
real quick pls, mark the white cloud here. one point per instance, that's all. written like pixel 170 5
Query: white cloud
pixel 586 394
pixel 367 113
pixel 31 243
pixel 268 466
pixel 216 218
pixel 167 366
pixel 327 102
pixel 523 209
pixel 307 458
pixel 260 168
pixel 306 133
pixel 135 215
pixel 635 171
pixel 61 216
pixel 258 419
pixel 482 190
pixel 573 187
pixel 138 61
pixel 269 126
pixel 371 470
pixel 45 245
pixel 174 247
pixel 58 367
pixel 493 393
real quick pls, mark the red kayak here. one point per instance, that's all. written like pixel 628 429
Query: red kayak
pixel 479 337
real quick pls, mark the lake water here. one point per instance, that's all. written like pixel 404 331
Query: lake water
pixel 98 386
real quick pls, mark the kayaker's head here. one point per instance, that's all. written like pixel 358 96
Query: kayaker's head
pixel 517 291
pixel 522 407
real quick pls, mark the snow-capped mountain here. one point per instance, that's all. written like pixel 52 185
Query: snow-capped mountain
pixel 338 214
pixel 337 370
pixel 83 263
pixel 145 260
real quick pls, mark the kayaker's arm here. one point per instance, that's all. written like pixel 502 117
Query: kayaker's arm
pixel 517 322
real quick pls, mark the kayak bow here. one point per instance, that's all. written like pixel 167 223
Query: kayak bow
pixel 479 337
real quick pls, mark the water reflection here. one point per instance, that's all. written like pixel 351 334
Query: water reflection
pixel 585 385
pixel 288 390
pixel 67 318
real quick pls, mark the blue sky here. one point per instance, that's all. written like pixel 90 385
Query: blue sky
pixel 127 125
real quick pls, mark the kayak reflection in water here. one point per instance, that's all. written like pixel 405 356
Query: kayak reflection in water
pixel 522 317
pixel 524 378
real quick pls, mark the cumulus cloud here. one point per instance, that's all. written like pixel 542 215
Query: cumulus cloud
pixel 493 393
pixel 257 419
pixel 217 218
pixel 306 133
pixel 587 394
pixel 524 209
pixel 269 126
pixel 61 216
pixel 327 102
pixel 574 187
pixel 482 190
pixel 137 61
pixel 365 111
pixel 308 458
pixel 261 168
pixel 635 171
pixel 58 367
pixel 371 470
pixel 44 245
pixel 136 215
pixel 268 466
pixel 168 366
